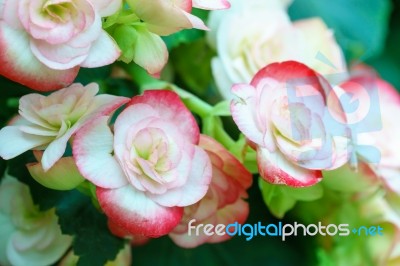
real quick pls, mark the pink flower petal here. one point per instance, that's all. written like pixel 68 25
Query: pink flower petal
pixel 24 67
pixel 136 213
pixel 196 22
pixel 104 51
pixel 170 108
pixel 230 165
pixel 195 187
pixel 236 212
pixel 243 112
pixel 276 169
pixel 92 148
pixel 293 74
pixel 61 56
pixel 11 16
pixel 131 116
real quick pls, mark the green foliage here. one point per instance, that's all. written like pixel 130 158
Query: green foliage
pixel 280 199
pixel 93 242
pixel 388 64
pixel 126 37
pixel 192 63
pixel 360 26
pixel 182 37
pixel 89 75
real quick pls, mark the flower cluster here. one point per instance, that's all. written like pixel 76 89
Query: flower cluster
pixel 136 151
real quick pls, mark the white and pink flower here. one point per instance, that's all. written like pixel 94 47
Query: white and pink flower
pixel 27 236
pixel 44 43
pixel 149 168
pixel 165 17
pixel 224 202
pixel 47 123
pixel 255 33
pixel 286 115
pixel 375 126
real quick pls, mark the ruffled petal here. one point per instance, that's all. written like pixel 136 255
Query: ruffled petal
pixel 276 169
pixel 92 148
pixel 136 213
pixel 24 67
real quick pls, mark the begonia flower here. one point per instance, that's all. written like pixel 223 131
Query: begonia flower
pixel 289 115
pixel 48 122
pixel 255 33
pixel 27 235
pixel 44 43
pixel 224 202
pixel 149 168
pixel 375 127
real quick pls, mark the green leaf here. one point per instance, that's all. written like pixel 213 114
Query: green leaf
pixel 93 241
pixel 182 37
pixel 192 63
pixel 126 37
pixel 88 75
pixel 360 26
pixel 281 198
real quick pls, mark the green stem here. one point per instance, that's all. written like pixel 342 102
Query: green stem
pixel 223 137
pixel 198 106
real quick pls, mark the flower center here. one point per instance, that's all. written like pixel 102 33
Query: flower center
pixel 149 154
pixel 59 11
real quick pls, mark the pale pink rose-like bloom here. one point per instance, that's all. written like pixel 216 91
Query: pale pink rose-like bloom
pixel 224 202
pixel 383 128
pixel 286 115
pixel 149 168
pixel 255 33
pixel 27 236
pixel 164 17
pixel 47 123
pixel 44 43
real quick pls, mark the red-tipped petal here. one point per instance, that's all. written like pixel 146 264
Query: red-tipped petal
pixel 18 63
pixel 170 107
pixel 136 213
pixel 276 169
pixel 92 148
pixel 295 75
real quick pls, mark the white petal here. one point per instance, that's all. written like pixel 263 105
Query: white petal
pixel 14 142
pixel 92 148
pixel 104 51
